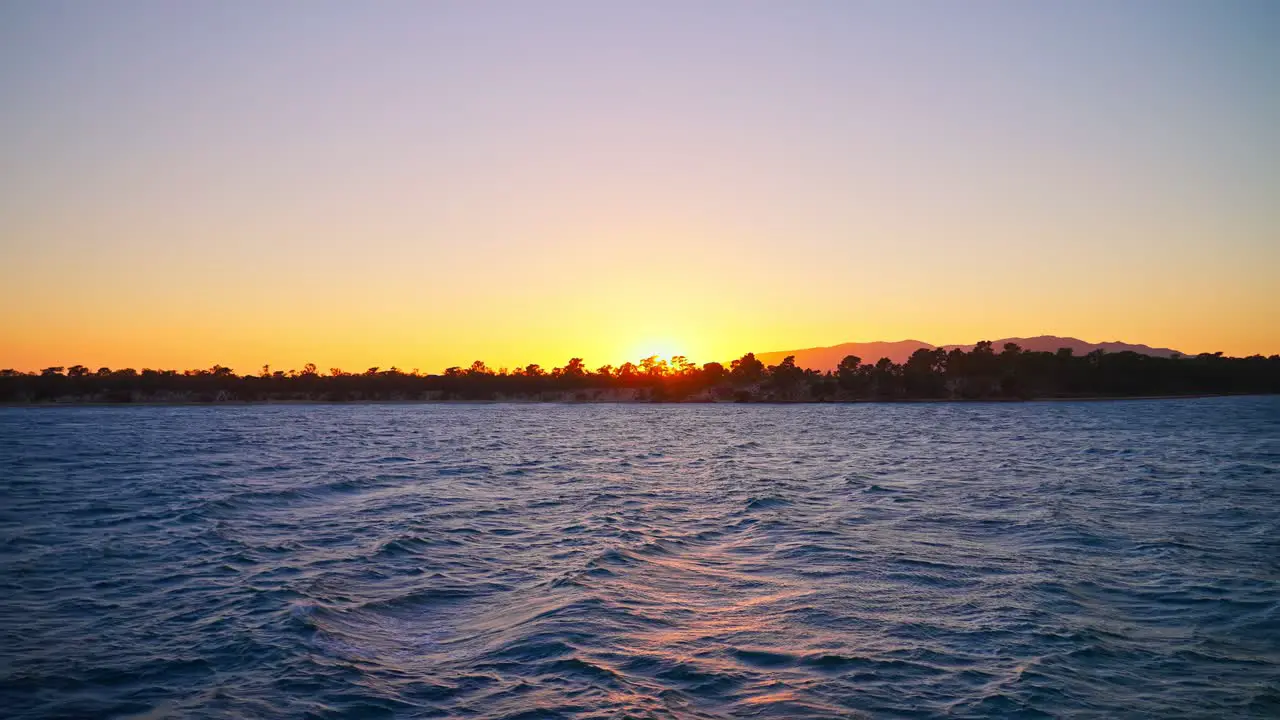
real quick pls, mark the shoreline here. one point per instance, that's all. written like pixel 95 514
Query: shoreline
pixel 899 401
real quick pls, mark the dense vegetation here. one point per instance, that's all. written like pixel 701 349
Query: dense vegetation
pixel 928 374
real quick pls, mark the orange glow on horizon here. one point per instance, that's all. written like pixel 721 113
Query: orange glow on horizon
pixel 421 187
pixel 663 349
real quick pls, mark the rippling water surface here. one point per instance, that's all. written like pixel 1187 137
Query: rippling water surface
pixel 591 561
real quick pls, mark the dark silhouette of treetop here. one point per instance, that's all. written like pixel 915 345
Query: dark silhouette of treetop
pixel 979 374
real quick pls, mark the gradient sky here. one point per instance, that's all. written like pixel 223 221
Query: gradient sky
pixel 422 184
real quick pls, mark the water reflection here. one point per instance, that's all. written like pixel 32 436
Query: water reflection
pixel 513 561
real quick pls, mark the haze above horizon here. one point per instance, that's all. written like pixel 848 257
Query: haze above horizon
pixel 427 184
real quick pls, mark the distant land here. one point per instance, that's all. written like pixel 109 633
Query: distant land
pixel 828 358
pixel 1021 372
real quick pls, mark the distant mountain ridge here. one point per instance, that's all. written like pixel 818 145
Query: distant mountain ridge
pixel 827 358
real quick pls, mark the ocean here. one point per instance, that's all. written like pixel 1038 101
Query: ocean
pixel 1082 559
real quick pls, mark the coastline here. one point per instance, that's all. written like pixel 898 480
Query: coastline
pixel 562 401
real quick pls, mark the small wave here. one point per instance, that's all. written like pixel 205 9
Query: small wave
pixel 764 658
pixel 405 546
pixel 767 502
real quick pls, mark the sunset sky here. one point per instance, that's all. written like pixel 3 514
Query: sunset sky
pixel 422 184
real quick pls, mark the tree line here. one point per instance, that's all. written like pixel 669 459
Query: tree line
pixel 981 373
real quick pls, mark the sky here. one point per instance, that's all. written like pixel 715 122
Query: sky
pixel 424 184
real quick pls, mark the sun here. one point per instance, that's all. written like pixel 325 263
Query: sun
pixel 664 348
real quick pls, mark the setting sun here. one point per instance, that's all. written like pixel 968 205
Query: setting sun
pixel 663 348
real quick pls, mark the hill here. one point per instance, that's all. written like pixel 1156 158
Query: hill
pixel 1052 343
pixel 827 358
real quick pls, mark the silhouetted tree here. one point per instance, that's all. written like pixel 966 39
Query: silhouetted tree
pixel 923 375
pixel 979 373
pixel 746 370
pixel 852 378
pixel 785 379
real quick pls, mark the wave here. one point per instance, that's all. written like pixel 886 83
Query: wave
pixel 491 561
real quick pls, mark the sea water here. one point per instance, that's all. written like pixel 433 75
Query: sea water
pixel 1104 559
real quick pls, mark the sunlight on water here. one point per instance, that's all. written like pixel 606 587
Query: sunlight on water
pixel 501 561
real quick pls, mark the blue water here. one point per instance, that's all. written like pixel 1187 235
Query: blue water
pixel 1104 559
